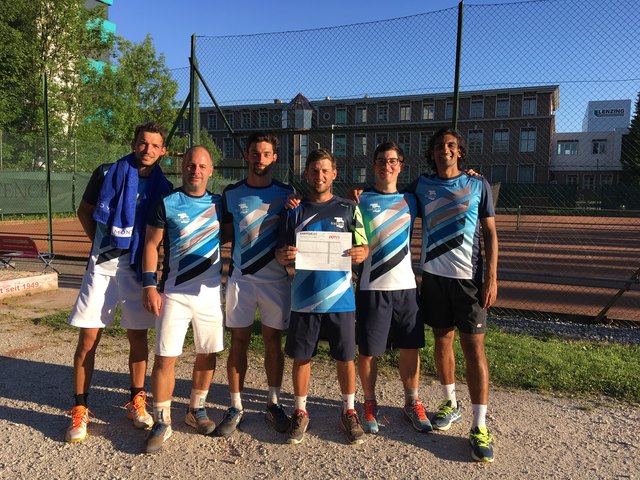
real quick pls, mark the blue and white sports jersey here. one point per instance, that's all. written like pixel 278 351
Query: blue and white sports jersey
pixel 191 241
pixel 322 291
pixel 388 222
pixel 255 214
pixel 451 212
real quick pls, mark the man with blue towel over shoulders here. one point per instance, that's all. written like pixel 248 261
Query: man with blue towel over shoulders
pixel 113 213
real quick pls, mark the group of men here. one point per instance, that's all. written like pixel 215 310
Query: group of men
pixel 129 210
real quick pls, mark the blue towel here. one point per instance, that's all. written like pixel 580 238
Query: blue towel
pixel 116 206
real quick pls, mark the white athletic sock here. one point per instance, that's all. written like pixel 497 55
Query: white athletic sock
pixel 348 402
pixel 236 401
pixel 300 403
pixel 410 394
pixel 162 412
pixel 274 395
pixel 479 415
pixel 449 392
pixel 198 398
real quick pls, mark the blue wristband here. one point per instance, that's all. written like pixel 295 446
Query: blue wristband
pixel 149 279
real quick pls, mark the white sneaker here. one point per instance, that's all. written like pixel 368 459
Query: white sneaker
pixel 77 431
pixel 137 411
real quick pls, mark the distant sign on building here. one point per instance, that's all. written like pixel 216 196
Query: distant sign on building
pixel 607 115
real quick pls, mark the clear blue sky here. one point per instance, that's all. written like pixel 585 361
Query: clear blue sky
pixel 172 22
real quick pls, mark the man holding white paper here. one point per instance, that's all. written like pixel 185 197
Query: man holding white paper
pixel 322 303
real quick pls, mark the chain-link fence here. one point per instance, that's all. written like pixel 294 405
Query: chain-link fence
pixel 546 95
pixel 547 91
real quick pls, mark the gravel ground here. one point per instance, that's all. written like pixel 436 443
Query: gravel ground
pixel 537 436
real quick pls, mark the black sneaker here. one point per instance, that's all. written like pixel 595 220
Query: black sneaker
pixel 299 425
pixel 230 421
pixel 350 423
pixel 276 416
pixel 160 432
pixel 481 444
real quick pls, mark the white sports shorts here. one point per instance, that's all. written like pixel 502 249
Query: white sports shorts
pixel 99 294
pixel 273 299
pixel 203 311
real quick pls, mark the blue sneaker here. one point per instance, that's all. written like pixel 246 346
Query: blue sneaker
pixel 160 432
pixel 417 415
pixel 230 421
pixel 446 415
pixel 481 444
pixel 198 419
pixel 369 421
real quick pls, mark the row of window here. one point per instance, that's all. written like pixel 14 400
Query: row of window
pixel 502 109
pixel 589 180
pixel 475 142
pixel 570 147
pixel 267 119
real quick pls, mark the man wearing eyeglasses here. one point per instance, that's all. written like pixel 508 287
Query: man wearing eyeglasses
pixel 386 300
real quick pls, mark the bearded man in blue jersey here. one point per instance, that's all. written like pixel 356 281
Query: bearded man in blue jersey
pixel 456 209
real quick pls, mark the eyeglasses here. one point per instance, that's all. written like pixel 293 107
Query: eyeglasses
pixel 381 162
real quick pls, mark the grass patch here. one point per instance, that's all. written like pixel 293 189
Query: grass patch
pixel 547 364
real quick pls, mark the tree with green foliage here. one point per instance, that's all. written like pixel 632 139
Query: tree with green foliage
pixel 136 87
pixel 631 150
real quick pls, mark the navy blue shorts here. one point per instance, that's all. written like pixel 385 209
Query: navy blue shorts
pixel 452 302
pixel 307 329
pixel 388 319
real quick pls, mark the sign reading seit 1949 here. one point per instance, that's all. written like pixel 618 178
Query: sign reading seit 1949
pixel 608 112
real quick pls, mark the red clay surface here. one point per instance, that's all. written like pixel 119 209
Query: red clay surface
pixel 557 264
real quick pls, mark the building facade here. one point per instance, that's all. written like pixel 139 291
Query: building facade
pixel 508 132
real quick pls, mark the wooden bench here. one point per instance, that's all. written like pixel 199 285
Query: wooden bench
pixel 20 246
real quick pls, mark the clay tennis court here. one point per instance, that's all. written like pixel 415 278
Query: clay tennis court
pixel 565 265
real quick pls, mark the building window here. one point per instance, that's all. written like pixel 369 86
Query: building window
pixel 474 141
pixel 599 146
pixel 229 117
pixel 567 147
pixel 588 182
pixel 424 142
pixel 263 119
pixel 404 142
pixel 359 175
pixel 498 173
pixel 529 106
pixel 212 121
pixel 502 107
pixel 448 110
pixel 501 140
pixel 527 140
pixel 243 143
pixel 428 111
pixel 361 114
pixel 606 179
pixel 404 177
pixel 245 120
pixel 341 115
pixel 383 113
pixel 381 138
pixel 477 108
pixel 227 147
pixel 405 112
pixel 572 179
pixel 526 173
pixel 360 144
pixel 340 145
pixel 304 151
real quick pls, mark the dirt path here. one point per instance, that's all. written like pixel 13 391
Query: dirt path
pixel 537 436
